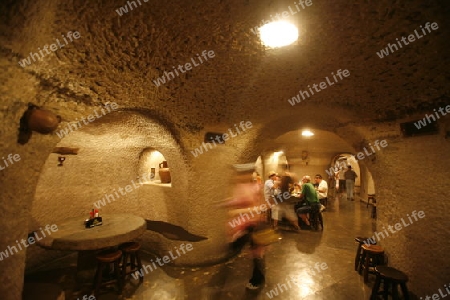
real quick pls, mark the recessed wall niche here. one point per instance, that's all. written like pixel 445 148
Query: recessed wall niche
pixel 154 168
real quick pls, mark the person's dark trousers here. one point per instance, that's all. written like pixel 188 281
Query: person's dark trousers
pixel 324 201
pixel 258 272
pixel 342 185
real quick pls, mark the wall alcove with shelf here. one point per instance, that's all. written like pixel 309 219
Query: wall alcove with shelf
pixel 154 168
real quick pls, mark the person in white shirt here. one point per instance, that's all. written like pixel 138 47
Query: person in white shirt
pixel 269 192
pixel 322 191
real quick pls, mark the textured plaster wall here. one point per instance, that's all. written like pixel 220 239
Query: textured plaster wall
pixel 117 58
pixel 415 177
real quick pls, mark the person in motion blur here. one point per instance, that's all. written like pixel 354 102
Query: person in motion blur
pixel 246 197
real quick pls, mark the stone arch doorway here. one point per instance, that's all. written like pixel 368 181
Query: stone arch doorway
pixel 333 135
pixel 364 184
pixel 108 160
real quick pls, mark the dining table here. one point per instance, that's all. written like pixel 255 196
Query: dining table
pixel 72 234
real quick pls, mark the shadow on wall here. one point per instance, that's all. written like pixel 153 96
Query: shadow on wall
pixel 173 232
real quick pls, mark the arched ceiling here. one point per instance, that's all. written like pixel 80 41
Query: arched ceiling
pixel 118 57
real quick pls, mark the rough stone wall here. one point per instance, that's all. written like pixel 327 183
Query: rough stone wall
pixel 117 59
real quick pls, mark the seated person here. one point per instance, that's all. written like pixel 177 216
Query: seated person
pixel 310 199
pixel 285 205
pixel 297 190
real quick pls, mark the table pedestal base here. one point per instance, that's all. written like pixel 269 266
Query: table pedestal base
pixel 86 267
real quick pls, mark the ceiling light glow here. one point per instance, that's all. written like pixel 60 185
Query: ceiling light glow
pixel 307 133
pixel 278 34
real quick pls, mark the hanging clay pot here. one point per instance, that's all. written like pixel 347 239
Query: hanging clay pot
pixel 43 121
pixel 164 172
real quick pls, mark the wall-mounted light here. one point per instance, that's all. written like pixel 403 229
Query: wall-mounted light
pixel 61 159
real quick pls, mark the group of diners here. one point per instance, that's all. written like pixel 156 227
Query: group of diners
pixel 292 199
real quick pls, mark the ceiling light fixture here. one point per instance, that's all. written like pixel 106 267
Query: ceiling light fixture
pixel 307 132
pixel 278 34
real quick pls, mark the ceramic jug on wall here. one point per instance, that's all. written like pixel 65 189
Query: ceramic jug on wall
pixel 164 172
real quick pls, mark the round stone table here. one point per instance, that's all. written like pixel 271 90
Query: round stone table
pixel 72 235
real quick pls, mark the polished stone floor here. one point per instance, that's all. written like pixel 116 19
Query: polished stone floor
pixel 306 265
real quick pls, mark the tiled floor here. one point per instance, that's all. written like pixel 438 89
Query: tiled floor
pixel 306 265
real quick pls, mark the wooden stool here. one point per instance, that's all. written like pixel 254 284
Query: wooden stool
pixel 361 241
pixel 104 259
pixel 390 276
pixel 131 250
pixel 372 256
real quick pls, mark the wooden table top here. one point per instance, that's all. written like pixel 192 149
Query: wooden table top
pixel 116 229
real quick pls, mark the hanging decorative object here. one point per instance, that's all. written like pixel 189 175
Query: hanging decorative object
pixel 38 120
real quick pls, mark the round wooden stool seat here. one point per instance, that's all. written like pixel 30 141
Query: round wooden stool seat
pixel 392 273
pixel 109 256
pixel 375 249
pixel 130 247
pixel 372 256
pixel 361 240
pixel 391 279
